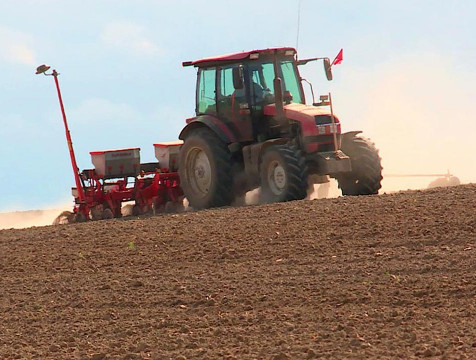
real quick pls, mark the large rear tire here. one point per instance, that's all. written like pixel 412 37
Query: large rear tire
pixel 283 175
pixel 366 175
pixel 205 170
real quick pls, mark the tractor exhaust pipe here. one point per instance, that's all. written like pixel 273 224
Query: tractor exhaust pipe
pixel 278 97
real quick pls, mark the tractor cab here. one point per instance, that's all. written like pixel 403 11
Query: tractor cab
pixel 236 89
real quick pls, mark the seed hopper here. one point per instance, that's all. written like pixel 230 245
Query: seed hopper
pixel 119 177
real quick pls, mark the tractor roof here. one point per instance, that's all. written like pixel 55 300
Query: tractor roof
pixel 253 54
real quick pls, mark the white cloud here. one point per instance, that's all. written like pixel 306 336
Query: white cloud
pixel 129 37
pixel 15 47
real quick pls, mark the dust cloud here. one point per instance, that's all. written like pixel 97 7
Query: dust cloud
pixel 418 111
pixel 25 219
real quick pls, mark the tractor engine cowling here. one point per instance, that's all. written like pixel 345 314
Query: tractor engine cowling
pixel 316 125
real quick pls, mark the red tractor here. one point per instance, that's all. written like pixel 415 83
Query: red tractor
pixel 253 129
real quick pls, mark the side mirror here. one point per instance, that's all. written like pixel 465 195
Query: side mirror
pixel 328 68
pixel 238 77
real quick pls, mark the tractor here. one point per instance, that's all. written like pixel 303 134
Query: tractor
pixel 252 128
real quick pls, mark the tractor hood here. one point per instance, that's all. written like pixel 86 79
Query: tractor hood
pixel 315 122
pixel 299 112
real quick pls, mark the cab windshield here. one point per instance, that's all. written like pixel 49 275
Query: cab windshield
pixel 262 86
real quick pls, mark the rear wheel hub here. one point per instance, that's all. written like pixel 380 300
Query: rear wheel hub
pixel 200 171
pixel 276 177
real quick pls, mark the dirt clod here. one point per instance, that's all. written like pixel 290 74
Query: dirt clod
pixel 98 356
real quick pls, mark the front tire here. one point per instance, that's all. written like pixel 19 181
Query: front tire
pixel 283 175
pixel 366 175
pixel 205 170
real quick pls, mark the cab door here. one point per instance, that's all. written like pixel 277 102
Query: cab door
pixel 232 105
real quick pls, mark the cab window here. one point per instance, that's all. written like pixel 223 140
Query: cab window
pixel 226 82
pixel 262 89
pixel 206 103
pixel 291 81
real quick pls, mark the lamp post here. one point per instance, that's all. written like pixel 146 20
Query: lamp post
pixel 42 69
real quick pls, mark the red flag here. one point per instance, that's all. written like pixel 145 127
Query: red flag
pixel 338 58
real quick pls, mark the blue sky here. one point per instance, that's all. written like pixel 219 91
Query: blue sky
pixel 407 79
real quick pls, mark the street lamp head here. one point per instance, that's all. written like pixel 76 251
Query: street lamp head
pixel 42 69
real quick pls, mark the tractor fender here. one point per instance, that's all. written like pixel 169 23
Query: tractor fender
pixel 351 134
pixel 346 137
pixel 252 155
pixel 217 126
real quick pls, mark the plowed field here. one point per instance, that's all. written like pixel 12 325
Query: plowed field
pixel 379 277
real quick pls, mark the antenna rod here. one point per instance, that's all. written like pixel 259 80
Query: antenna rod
pixel 298 24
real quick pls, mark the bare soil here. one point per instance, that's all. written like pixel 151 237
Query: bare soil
pixel 377 277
